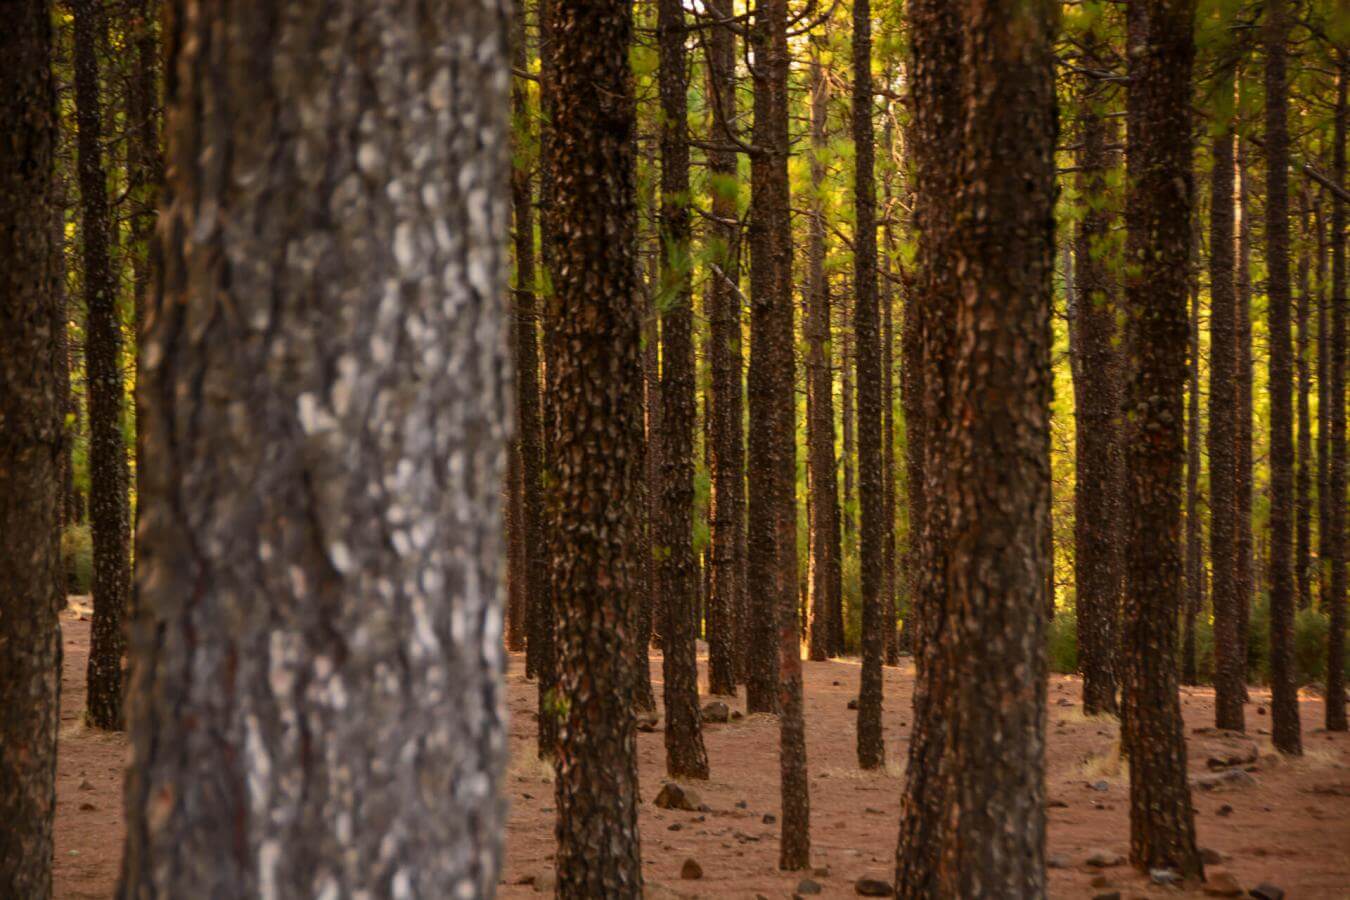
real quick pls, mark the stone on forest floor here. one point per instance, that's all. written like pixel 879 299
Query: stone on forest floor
pixel 1224 811
pixel 1225 780
pixel 1222 884
pixel 868 886
pixel 673 796
pixel 1266 891
pixel 1104 859
pixel 1164 876
pixel 808 886
pixel 1238 756
pixel 853 704
pixel 716 712
pixel 1210 857
pixel 647 721
pixel 1058 861
pixel 691 870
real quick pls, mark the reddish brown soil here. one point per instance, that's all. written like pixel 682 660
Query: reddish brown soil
pixel 1291 828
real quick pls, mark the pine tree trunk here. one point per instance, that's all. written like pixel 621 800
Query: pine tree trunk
pixel 597 439
pixel 315 703
pixel 866 322
pixel 1246 566
pixel 1335 718
pixel 103 360
pixel 1158 210
pixel 32 400
pixel 1303 370
pixel 888 444
pixel 726 443
pixel 930 326
pixel 823 487
pixel 1097 533
pixel 1325 318
pixel 1284 692
pixel 678 584
pixel 1195 565
pixel 1223 412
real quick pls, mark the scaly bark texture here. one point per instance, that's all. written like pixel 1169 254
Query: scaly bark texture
pixel 1223 410
pixel 1303 455
pixel 726 441
pixel 316 699
pixel 1158 210
pixel 597 443
pixel 996 443
pixel 776 664
pixel 866 322
pixel 1097 533
pixel 32 404
pixel 103 361
pixel 888 443
pixel 677 570
pixel 1283 691
pixel 1335 714
pixel 823 485
pixel 1246 569
pixel 1195 565
pixel 930 324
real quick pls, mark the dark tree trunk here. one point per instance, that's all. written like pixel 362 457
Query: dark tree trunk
pixel 529 564
pixel 1336 720
pixel 597 442
pixel 1097 532
pixel 1303 456
pixel 823 486
pixel 775 676
pixel 930 326
pixel 1158 211
pixel 653 614
pixel 848 423
pixel 678 584
pixel 996 445
pixel 1284 692
pixel 316 698
pixel 32 402
pixel 1325 319
pixel 1246 569
pixel 1223 411
pixel 726 444
pixel 1195 563
pixel 888 445
pixel 103 361
pixel 866 322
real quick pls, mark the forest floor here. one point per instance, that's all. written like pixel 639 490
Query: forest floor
pixel 1288 826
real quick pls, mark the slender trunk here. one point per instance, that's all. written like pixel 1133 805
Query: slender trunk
pixel 316 698
pixel 866 322
pixel 888 444
pixel 1195 564
pixel 1158 211
pixel 1336 719
pixel 678 584
pixel 1097 532
pixel 1285 731
pixel 726 444
pixel 1246 567
pixel 930 325
pixel 822 484
pixel 1325 317
pixel 1303 370
pixel 1223 411
pixel 103 361
pixel 32 401
pixel 597 440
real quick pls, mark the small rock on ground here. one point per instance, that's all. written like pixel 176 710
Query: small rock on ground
pixel 873 887
pixel 691 870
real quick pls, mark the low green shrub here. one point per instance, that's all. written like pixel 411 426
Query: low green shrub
pixel 1062 642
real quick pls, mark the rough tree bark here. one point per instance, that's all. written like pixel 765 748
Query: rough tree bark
pixel 597 442
pixel 888 440
pixel 726 441
pixel 103 361
pixel 1335 712
pixel 823 485
pixel 1195 564
pixel 315 704
pixel 678 583
pixel 1097 533
pixel 1223 410
pixel 1284 692
pixel 775 676
pixel 1158 210
pixel 1246 570
pixel 866 323
pixel 930 326
pixel 32 446
pixel 1303 410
